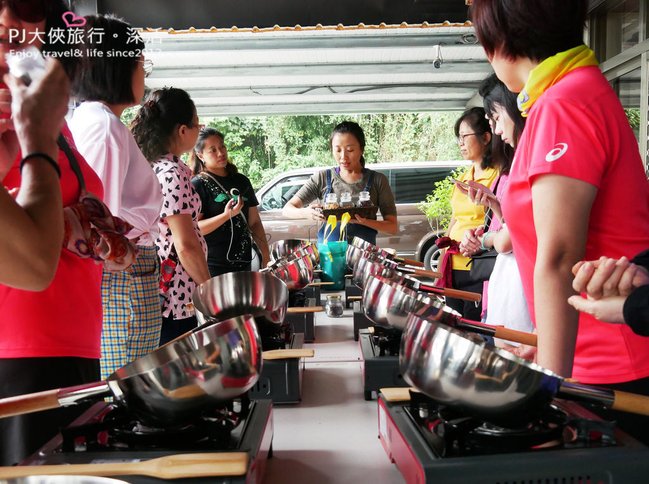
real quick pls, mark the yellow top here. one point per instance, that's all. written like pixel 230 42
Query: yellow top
pixel 468 215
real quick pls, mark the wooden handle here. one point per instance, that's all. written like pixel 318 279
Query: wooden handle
pixel 516 336
pixel 34 402
pixel 410 262
pixel 292 353
pixel 320 283
pixel 630 402
pixel 397 394
pixel 429 274
pixel 305 309
pixel 466 295
pixel 349 276
pixel 354 298
pixel 167 467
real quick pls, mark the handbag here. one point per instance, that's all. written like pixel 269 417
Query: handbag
pixel 482 265
pixel 90 230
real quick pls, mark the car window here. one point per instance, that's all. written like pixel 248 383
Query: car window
pixel 411 185
pixel 282 192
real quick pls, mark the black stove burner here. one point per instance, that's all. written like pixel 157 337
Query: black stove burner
pixel 388 340
pixel 297 298
pixel 273 336
pixel 117 429
pixel 452 433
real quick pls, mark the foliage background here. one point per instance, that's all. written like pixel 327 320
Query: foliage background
pixel 264 147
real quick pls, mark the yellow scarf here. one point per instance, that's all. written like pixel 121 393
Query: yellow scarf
pixel 551 71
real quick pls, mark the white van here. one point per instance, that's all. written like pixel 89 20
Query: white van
pixel 410 183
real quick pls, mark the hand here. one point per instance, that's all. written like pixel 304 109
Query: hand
pixel 315 212
pixel 478 193
pixel 358 220
pixel 470 243
pixel 234 208
pixel 35 131
pixel 608 309
pixel 608 277
pixel 522 351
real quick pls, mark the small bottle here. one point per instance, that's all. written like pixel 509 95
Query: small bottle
pixel 364 199
pixel 346 200
pixel 334 306
pixel 331 201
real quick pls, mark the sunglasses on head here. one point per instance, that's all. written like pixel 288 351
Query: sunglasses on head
pixel 31 11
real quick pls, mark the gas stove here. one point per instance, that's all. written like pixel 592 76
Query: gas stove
pixel 380 350
pixel 566 444
pixel 107 433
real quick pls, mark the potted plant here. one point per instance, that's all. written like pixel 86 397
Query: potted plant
pixel 437 206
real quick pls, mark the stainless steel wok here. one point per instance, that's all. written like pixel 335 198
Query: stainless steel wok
pixel 370 262
pixel 174 382
pixel 258 293
pixel 367 266
pixel 460 369
pixel 365 245
pixel 284 248
pixel 389 304
pixel 296 272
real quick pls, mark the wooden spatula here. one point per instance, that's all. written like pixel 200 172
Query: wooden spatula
pixel 169 467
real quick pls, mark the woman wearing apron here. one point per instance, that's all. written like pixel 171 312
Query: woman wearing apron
pixel 347 145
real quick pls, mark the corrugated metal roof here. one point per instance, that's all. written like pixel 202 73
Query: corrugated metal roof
pixel 320 69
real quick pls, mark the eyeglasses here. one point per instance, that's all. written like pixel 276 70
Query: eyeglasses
pixel 31 11
pixel 460 138
pixel 147 64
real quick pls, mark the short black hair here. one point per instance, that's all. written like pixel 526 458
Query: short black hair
pixel 197 163
pixel 109 77
pixel 536 29
pixel 476 118
pixel 156 121
pixel 494 92
pixel 350 127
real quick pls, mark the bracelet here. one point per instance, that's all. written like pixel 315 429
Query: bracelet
pixel 484 237
pixel 43 156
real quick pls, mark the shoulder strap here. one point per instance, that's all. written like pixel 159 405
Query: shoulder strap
pixel 65 147
pixel 368 186
pixel 215 180
pixel 328 187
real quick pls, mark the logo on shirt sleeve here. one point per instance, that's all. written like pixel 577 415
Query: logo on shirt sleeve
pixel 557 152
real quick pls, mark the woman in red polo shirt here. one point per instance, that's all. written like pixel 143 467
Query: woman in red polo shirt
pixel 48 338
pixel 577 187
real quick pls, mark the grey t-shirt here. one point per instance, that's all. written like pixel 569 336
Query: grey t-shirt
pixel 380 191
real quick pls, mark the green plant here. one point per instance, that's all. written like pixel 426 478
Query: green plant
pixel 437 206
